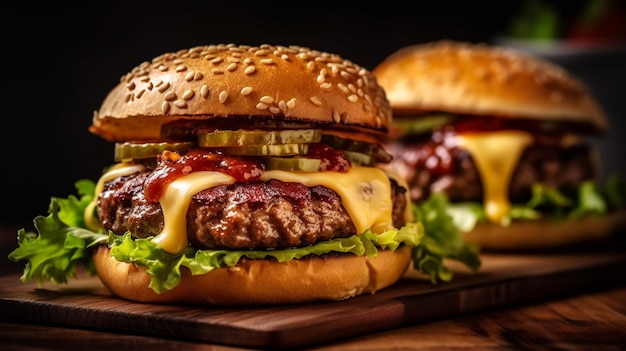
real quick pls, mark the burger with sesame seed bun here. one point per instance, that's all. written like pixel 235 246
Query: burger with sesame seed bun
pixel 501 135
pixel 243 175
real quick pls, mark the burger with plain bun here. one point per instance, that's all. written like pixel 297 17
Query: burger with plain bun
pixel 502 135
pixel 243 175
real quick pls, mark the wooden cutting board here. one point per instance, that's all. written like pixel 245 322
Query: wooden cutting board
pixel 504 279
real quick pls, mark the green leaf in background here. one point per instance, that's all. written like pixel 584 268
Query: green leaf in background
pixel 537 20
pixel 442 239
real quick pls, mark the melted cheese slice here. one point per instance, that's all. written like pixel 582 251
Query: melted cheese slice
pixel 496 155
pixel 175 202
pixel 365 193
pixel 118 170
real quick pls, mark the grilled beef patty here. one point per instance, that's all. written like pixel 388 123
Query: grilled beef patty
pixel 241 216
pixel 454 172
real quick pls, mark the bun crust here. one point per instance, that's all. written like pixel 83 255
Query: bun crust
pixel 484 80
pixel 292 83
pixel 255 282
pixel 542 234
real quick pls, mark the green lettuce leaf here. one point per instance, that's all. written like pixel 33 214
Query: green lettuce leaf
pixel 442 239
pixel 545 202
pixel 54 253
pixel 164 267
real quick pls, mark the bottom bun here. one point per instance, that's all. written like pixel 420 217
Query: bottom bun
pixel 258 282
pixel 545 234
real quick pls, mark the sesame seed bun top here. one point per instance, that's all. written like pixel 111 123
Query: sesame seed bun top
pixel 478 79
pixel 291 83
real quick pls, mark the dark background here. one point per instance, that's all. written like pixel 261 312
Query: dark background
pixel 60 59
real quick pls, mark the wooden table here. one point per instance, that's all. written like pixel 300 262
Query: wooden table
pixel 589 318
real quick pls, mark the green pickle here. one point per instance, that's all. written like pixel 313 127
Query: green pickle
pixel 358 152
pixel 243 138
pixel 128 151
pixel 267 150
pixel 359 159
pixel 295 163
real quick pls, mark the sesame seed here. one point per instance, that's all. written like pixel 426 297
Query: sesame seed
pixel 343 88
pixel 231 67
pixel 181 68
pixel 188 94
pixel 261 53
pixel 164 87
pixel 163 68
pixel 320 78
pixel 275 110
pixel 247 60
pixel 368 99
pixel 246 91
pixel 310 65
pixel 249 70
pixel 262 106
pixel 282 105
pixel 316 101
pixel 169 96
pixel 353 98
pixel 204 91
pixel 140 93
pixel 198 76
pixel 223 96
pixel 189 76
pixel 131 86
pixel 326 86
pixel 165 107
pixel 267 61
pixel 291 104
pixel 217 71
pixel 336 116
pixel 217 60
pixel 284 57
pixel 180 103
pixel 266 99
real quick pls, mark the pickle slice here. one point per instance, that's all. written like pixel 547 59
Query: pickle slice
pixel 296 163
pixel 241 137
pixel 267 150
pixel 375 151
pixel 358 158
pixel 128 151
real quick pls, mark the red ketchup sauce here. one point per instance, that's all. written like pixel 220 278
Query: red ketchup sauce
pixel 332 160
pixel 172 165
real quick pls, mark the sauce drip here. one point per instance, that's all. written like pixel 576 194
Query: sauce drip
pixel 172 165
pixel 332 160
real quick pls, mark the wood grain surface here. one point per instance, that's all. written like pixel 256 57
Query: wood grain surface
pixel 504 280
